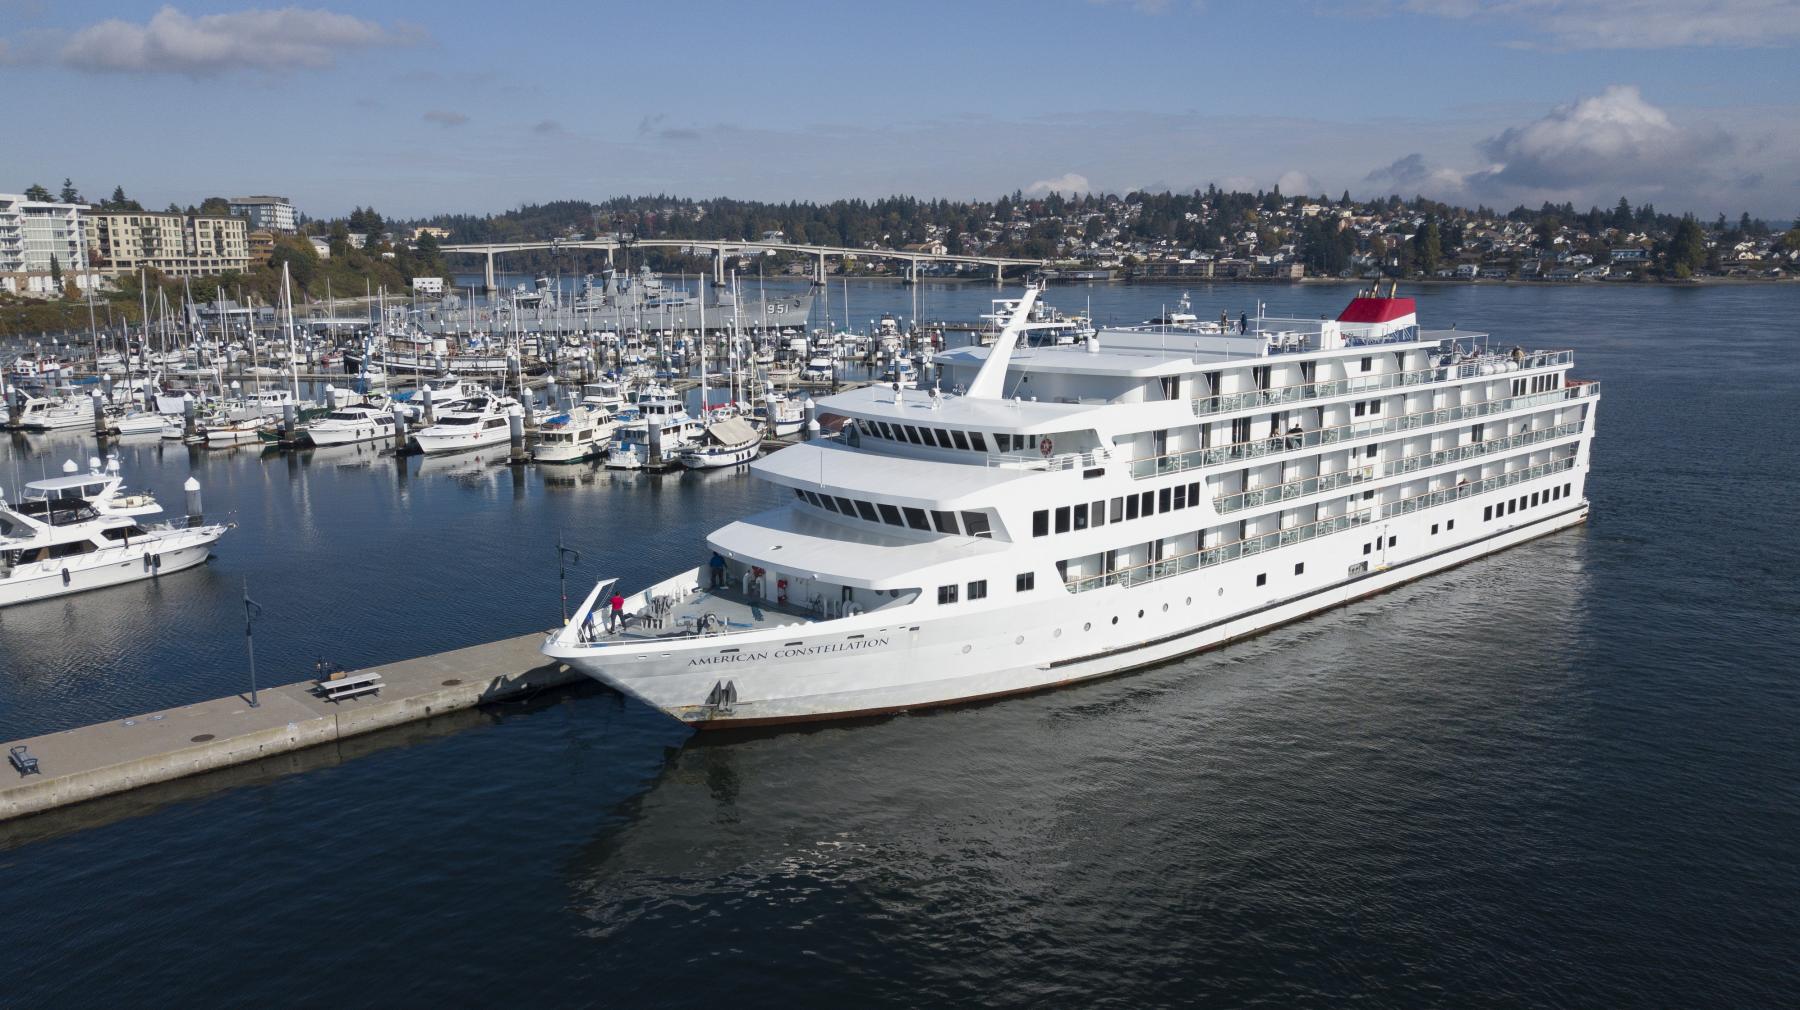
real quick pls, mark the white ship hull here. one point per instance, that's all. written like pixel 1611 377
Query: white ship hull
pixel 433 444
pixel 47 579
pixel 346 434
pixel 903 658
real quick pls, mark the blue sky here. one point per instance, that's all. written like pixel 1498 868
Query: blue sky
pixel 416 108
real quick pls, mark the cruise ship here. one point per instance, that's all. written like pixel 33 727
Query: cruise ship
pixel 1053 514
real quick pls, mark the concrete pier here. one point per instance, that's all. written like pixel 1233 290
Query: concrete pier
pixel 126 754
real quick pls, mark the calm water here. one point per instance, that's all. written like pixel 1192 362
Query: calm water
pixel 1564 776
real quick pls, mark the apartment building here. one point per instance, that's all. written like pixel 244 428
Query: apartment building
pixel 177 245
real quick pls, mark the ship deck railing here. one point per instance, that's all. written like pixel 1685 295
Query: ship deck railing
pixel 1411 464
pixel 1293 441
pixel 1464 368
pixel 1058 461
pixel 1152 571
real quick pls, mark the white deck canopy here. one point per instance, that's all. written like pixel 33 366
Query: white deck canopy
pixel 790 540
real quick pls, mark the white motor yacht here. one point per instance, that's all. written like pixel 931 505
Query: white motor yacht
pixel 726 442
pixel 42 413
pixel 472 424
pixel 53 546
pixel 104 489
pixel 579 434
pixel 354 422
pixel 654 438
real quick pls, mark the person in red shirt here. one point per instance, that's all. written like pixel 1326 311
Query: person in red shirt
pixel 617 613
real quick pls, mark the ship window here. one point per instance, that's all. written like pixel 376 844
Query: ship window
pixel 1002 442
pixel 71 549
pixel 1062 519
pixel 1118 510
pixel 962 442
pixel 1368 547
pixel 1534 499
pixel 1081 517
pixel 977 441
pixel 1162 500
pixel 944 439
pixel 1374 406
pixel 1131 507
pixel 891 515
pixel 912 434
pixel 978 589
pixel 916 519
pixel 1144 504
pixel 1194 493
pixel 1367 364
pixel 1450 525
pixel 1434 529
pixel 844 506
pixel 1369 451
pixel 1567 486
pixel 124 532
pixel 1300 568
pixel 1393 540
pixel 947 594
pixel 1097 513
pixel 944 521
pixel 976 524
pixel 827 501
pixel 1361 408
pixel 867 511
pixel 1040 523
pixel 1025 582
pixel 1262 579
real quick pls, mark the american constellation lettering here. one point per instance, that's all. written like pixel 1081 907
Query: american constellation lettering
pixel 787 653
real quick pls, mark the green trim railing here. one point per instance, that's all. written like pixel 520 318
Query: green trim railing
pixel 1206 406
pixel 1177 462
pixel 1195 560
pixel 1357 475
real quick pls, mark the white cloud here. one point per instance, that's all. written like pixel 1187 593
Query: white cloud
pixel 1294 183
pixel 444 117
pixel 1068 183
pixel 1615 136
pixel 172 42
pixel 1633 24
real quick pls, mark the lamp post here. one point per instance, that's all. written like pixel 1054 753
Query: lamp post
pixel 563 556
pixel 252 610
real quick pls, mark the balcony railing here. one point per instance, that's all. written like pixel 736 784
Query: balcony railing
pixel 1194 560
pixel 1061 461
pixel 1255 398
pixel 1177 462
pixel 1356 475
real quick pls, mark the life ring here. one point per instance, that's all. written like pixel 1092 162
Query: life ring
pixel 1045 445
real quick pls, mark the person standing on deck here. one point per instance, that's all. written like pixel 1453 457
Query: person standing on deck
pixel 717 564
pixel 615 620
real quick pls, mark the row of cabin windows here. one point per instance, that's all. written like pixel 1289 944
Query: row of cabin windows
pixel 1525 501
pixel 939 438
pixel 1537 384
pixel 974 524
pixel 1131 506
pixel 1024 582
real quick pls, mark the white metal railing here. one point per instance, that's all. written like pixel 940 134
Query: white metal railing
pixel 1195 560
pixel 1060 461
pixel 1189 459
pixel 1356 475
pixel 1466 369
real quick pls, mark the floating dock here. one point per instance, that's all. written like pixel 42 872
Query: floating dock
pixel 125 754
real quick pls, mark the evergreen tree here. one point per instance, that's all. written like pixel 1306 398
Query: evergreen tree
pixel 69 193
pixel 55 272
pixel 37 193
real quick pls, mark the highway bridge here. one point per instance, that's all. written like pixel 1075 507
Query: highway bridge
pixel 723 248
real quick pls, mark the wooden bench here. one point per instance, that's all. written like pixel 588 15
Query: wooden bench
pixel 350 685
pixel 25 763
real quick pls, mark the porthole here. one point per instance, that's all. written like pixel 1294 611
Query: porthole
pixel 1056 634
pixel 1190 601
pixel 1140 615
pixel 1115 619
pixel 1019 640
pixel 1087 626
pixel 1165 608
pixel 965 650
pixel 1221 590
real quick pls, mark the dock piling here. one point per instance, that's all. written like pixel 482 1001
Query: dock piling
pixel 192 487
